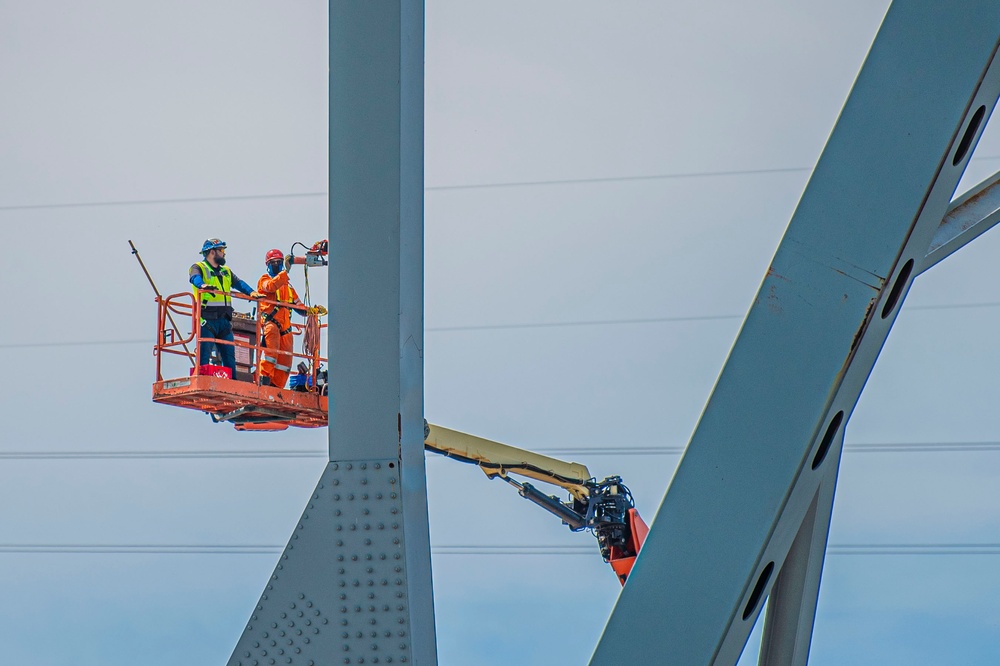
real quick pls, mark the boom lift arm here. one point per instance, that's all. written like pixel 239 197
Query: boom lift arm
pixel 604 507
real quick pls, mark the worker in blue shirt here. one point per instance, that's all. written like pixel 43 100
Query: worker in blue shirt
pixel 213 281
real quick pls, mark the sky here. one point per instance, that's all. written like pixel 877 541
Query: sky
pixel 606 185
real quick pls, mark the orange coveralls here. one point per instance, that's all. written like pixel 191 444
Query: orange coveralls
pixel 277 331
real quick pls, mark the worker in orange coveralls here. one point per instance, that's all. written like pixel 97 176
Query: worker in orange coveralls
pixel 276 361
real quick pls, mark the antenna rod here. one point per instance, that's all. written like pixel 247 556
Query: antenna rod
pixel 160 298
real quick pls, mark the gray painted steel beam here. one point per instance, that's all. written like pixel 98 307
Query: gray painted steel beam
pixel 969 217
pixel 353 585
pixel 761 450
pixel 791 605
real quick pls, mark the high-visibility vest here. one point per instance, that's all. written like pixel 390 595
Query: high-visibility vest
pixel 222 279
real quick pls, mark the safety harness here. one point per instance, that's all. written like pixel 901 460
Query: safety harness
pixel 269 319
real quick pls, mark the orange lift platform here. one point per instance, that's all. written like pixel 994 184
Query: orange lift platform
pixel 240 400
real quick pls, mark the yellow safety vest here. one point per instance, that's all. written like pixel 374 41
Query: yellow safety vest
pixel 222 279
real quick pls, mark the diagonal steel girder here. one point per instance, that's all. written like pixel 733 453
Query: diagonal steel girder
pixel 791 604
pixel 969 217
pixel 747 511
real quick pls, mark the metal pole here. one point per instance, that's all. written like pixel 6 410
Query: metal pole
pixel 353 586
pixel 160 298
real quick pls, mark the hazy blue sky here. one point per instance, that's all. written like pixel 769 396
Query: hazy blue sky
pixel 118 101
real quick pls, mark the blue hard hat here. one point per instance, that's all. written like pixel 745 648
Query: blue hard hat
pixel 212 244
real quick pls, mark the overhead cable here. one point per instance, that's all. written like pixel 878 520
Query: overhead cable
pixel 855 549
pixel 886 447
pixel 526 325
pixel 430 188
pixel 179 200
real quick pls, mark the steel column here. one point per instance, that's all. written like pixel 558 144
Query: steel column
pixel 791 605
pixel 353 586
pixel 761 450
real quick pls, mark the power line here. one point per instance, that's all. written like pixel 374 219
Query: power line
pixel 866 549
pixel 915 549
pixel 585 322
pixel 664 320
pixel 525 325
pixel 620 179
pixel 431 188
pixel 179 200
pixel 74 343
pixel 158 455
pixel 130 549
pixel 887 447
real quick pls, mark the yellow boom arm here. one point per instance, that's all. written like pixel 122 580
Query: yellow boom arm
pixel 496 459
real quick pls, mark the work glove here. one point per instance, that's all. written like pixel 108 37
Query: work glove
pixel 256 294
pixel 317 310
pixel 209 287
pixel 289 258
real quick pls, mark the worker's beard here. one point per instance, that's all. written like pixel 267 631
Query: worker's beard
pixel 221 261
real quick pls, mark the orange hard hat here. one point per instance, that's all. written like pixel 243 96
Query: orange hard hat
pixel 273 255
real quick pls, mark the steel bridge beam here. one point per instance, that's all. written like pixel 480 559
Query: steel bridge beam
pixel 749 502
pixel 791 605
pixel 969 217
pixel 353 585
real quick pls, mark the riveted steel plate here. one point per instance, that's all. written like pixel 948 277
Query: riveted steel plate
pixel 338 594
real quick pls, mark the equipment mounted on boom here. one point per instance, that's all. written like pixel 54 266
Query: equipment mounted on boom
pixel 604 507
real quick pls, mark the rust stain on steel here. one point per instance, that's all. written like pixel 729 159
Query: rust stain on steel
pixel 775 274
pixel 772 300
pixel 967 223
pixel 861 329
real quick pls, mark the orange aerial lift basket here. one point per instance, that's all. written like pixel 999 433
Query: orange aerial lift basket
pixel 240 400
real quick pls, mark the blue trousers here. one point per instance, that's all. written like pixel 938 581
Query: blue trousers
pixel 223 330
